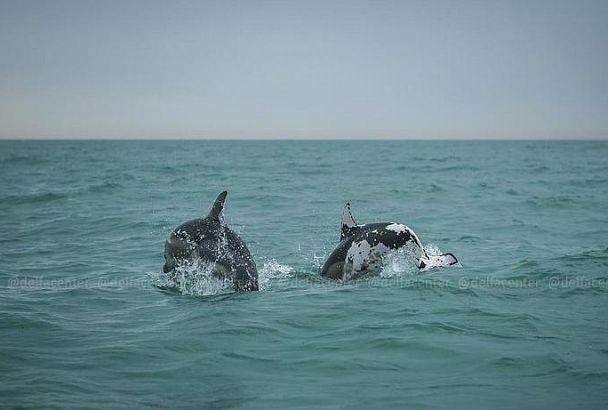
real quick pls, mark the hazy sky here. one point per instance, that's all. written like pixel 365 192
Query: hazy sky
pixel 304 69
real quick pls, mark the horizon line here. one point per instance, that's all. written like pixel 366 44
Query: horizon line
pixel 315 139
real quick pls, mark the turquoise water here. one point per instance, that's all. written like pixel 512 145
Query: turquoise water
pixel 521 322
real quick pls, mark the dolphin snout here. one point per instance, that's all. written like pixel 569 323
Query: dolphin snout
pixel 168 267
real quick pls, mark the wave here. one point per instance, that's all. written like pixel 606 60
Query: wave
pixel 435 188
pixel 21 159
pixel 36 198
pixel 595 182
pixel 434 168
pixel 25 321
pixel 537 168
pixel 469 238
pixel 105 187
pixel 554 201
pixel 587 255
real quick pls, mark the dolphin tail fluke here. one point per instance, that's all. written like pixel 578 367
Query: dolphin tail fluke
pixel 348 222
pixel 218 206
pixel 435 261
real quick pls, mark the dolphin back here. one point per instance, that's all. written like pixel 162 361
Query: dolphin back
pixel 236 257
pixel 221 245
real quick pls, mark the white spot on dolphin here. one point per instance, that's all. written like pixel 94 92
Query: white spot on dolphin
pixel 395 227
pixel 358 254
pixel 379 250
pixel 362 256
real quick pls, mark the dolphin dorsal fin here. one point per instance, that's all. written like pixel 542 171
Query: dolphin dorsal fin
pixel 218 206
pixel 348 222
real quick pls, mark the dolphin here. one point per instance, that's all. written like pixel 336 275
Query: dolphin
pixel 210 240
pixel 361 248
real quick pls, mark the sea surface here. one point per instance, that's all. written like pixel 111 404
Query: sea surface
pixel 87 319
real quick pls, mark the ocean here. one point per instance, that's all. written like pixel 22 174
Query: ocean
pixel 87 321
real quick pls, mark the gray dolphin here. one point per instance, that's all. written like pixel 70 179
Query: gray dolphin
pixel 210 240
pixel 361 248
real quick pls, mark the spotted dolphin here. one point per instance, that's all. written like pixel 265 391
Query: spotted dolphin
pixel 211 241
pixel 361 248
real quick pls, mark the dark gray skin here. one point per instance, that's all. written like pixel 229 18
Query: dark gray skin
pixel 210 240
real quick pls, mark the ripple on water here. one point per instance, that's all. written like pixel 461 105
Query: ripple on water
pixel 34 198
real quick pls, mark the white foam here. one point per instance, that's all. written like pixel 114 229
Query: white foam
pixel 432 249
pixel 193 279
pixel 196 279
pixel 272 270
pixel 401 262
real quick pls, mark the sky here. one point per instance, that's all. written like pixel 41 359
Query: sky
pixel 310 69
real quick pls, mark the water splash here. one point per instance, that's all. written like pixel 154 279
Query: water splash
pixel 194 279
pixel 402 262
pixel 432 249
pixel 273 271
pixel 197 279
